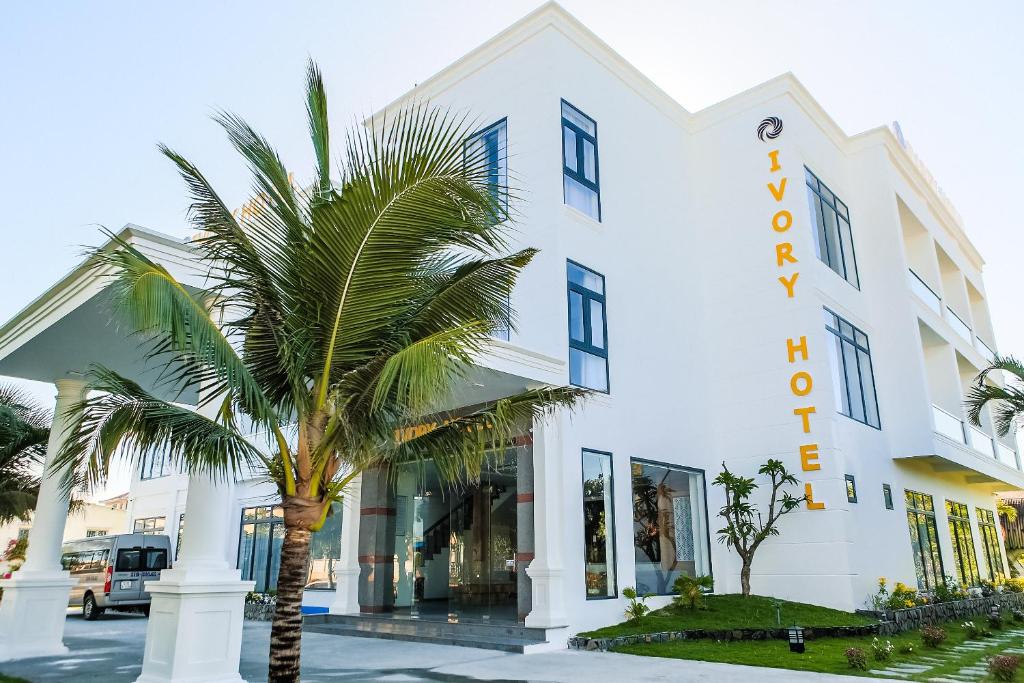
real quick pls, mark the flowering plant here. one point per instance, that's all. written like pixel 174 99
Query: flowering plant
pixel 932 636
pixel 856 658
pixel 882 652
pixel 1003 667
pixel 971 630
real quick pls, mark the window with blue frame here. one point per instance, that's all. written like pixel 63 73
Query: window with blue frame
pixel 588 329
pixel 833 239
pixel 852 376
pixel 579 161
pixel 488 150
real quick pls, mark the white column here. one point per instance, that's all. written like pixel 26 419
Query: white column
pixel 35 599
pixel 546 568
pixel 195 620
pixel 346 595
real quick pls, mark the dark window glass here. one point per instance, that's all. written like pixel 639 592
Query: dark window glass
pixel 579 162
pixel 964 557
pixel 155 559
pixel 487 151
pixel 851 488
pixel 830 221
pixel 990 544
pixel 887 496
pixel 598 525
pixel 588 347
pixel 261 536
pixel 181 530
pixel 924 540
pixel 852 375
pixel 129 560
pixel 325 552
pixel 669 526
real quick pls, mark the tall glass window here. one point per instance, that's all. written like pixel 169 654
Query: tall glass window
pixel 260 541
pixel 831 228
pixel 852 376
pixel 488 150
pixel 588 328
pixel 670 532
pixel 990 544
pixel 598 525
pixel 155 465
pixel 924 540
pixel 963 544
pixel 579 161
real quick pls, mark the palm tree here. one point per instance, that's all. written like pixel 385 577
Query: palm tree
pixel 1007 402
pixel 24 431
pixel 335 317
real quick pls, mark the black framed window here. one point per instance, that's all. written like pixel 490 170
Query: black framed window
pixel 155 465
pixel 990 544
pixel 259 548
pixel 830 219
pixel 851 488
pixel 588 329
pixel 964 557
pixel 670 527
pixel 924 540
pixel 598 525
pixel 887 496
pixel 149 525
pixel 487 151
pixel 580 183
pixel 852 375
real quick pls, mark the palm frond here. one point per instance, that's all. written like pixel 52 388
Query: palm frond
pixel 123 418
pixel 1007 402
pixel 316 112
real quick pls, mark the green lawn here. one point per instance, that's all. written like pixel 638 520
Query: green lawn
pixel 825 655
pixel 11 679
pixel 733 612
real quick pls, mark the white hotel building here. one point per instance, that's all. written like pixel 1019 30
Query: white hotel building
pixel 811 297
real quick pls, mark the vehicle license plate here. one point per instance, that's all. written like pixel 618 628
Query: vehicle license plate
pixel 125 585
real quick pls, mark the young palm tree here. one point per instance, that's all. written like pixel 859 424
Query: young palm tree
pixel 1007 402
pixel 351 310
pixel 24 431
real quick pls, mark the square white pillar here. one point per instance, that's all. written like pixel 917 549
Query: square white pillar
pixel 35 600
pixel 195 620
pixel 346 596
pixel 546 568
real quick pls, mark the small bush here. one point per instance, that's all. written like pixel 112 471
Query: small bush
pixel 932 636
pixel 1018 615
pixel 948 591
pixel 971 630
pixel 907 649
pixel 1015 585
pixel 902 596
pixel 1003 667
pixel 856 658
pixel 636 610
pixel 690 590
pixel 995 620
pixel 882 653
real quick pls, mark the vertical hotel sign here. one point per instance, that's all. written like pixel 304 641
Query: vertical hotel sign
pixel 800 382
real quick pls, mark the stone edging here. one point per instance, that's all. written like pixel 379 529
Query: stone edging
pixel 259 612
pixel 912 618
pixel 602 644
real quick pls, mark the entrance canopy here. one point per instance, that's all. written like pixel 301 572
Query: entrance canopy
pixel 73 325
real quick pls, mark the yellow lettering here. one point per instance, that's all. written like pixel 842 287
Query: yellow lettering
pixel 778 192
pixel 789 284
pixel 792 348
pixel 783 253
pixel 811 505
pixel 801 383
pixel 774 156
pixel 781 217
pixel 809 457
pixel 805 415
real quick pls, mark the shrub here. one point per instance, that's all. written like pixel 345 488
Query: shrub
pixel 903 596
pixel 971 630
pixel 949 591
pixel 636 610
pixel 1003 667
pixel 1014 585
pixel 995 620
pixel 1018 614
pixel 856 658
pixel 907 649
pixel 879 600
pixel 988 588
pixel 932 636
pixel 882 653
pixel 690 590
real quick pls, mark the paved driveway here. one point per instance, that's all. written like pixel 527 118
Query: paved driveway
pixel 110 650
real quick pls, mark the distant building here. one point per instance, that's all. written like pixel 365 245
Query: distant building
pixel 91 519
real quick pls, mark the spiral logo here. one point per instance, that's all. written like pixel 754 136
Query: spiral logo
pixel 769 129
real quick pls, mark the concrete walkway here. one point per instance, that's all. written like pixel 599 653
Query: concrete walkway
pixel 110 650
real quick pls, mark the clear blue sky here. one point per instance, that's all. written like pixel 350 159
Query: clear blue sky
pixel 88 89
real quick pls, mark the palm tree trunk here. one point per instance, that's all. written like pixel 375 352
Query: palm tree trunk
pixel 286 631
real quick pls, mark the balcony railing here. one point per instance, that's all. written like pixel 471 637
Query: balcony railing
pixel 984 349
pixel 924 292
pixel 951 426
pixel 958 325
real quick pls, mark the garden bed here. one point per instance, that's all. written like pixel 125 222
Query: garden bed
pixel 913 618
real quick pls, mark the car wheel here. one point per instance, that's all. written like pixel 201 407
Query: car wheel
pixel 90 610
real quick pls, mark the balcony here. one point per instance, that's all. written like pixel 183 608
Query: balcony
pixel 924 292
pixel 985 350
pixel 952 427
pixel 958 325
